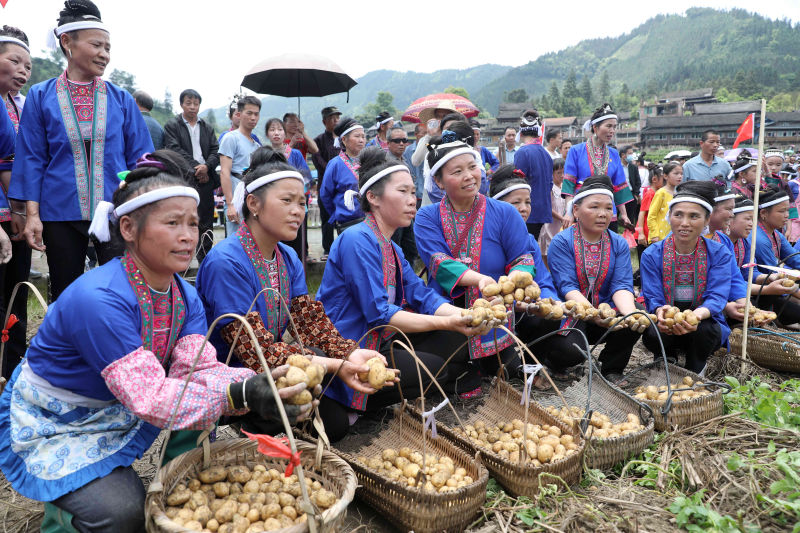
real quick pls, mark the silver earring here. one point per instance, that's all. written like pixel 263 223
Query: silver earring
pixel 69 51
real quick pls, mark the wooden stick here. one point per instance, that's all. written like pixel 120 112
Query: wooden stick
pixel 755 229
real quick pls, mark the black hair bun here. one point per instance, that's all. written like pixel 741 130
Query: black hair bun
pixel 16 33
pixel 369 158
pixel 265 155
pixel 75 10
pixel 597 182
pixel 705 189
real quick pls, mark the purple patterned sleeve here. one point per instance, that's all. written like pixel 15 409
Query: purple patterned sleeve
pixel 140 383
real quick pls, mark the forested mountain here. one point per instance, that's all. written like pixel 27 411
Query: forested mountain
pixel 743 52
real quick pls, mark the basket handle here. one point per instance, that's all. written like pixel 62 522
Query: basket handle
pixel 306 504
pixel 10 305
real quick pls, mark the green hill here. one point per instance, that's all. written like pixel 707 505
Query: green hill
pixel 747 53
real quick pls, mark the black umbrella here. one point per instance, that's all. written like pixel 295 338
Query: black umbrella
pixel 298 75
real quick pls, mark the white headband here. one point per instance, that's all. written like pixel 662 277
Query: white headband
pixel 241 191
pixel 14 40
pixel 465 149
pixel 742 169
pixel 517 187
pixel 381 122
pixel 729 196
pixel 349 195
pixel 336 143
pixel 691 200
pixel 604 117
pixel 589 192
pixel 743 209
pixel 773 202
pixel 774 153
pixel 105 212
pixel 53 36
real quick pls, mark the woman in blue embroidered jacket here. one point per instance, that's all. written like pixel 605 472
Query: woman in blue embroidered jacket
pixel 773 249
pixel 271 202
pixel 596 158
pixel 368 283
pixel 103 374
pixel 341 174
pixel 77 131
pixel 468 241
pixel 592 264
pixel 688 271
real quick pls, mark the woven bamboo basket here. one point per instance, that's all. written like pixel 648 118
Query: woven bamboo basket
pixel 503 403
pixel 14 293
pixel 616 403
pixel 334 475
pixel 770 351
pixel 680 414
pixel 411 507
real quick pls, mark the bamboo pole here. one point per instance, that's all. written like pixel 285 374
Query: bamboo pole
pixel 763 119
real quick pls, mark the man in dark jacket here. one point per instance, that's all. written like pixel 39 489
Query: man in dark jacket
pixel 196 142
pixel 628 159
pixel 324 141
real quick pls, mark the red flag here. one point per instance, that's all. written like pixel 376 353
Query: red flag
pixel 3 2
pixel 746 131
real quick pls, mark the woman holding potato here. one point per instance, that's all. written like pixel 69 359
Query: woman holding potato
pixel 687 271
pixel 592 266
pixel 271 201
pixel 103 374
pixel 368 283
pixel 468 241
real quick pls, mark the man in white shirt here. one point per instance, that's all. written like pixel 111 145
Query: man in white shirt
pixel 510 138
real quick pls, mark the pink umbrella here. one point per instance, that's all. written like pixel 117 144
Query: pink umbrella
pixel 422 109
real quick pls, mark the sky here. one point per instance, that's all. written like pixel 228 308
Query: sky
pixel 209 45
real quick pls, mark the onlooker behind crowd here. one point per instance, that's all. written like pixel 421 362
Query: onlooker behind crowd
pixel 656 181
pixel 706 165
pixel 196 142
pixel 327 151
pixel 553 139
pixel 63 176
pixel 404 235
pixel 565 146
pixel 383 123
pixel 644 172
pixel 296 135
pixel 431 117
pixel 490 162
pixel 558 208
pixel 233 115
pixel 657 223
pixel 276 135
pixel 631 170
pixel 234 155
pixel 417 171
pixel 508 146
pixel 15 56
pixel 340 183
pixel 145 103
pixel 533 160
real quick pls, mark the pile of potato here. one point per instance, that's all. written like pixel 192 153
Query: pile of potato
pixel 602 426
pixel 378 376
pixel 585 311
pixel 517 286
pixel 760 317
pixel 406 466
pixel 673 315
pixel 641 320
pixel 301 370
pixel 788 280
pixel 659 394
pixel 236 499
pixel 545 443
pixel 485 311
pixel 549 308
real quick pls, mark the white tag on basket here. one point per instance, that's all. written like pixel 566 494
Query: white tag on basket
pixel 429 418
pixel 530 372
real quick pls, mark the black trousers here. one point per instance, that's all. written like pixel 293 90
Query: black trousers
pixel 16 270
pixel 66 244
pixel 697 345
pixel 535 228
pixel 327 229
pixel 561 351
pixel 205 212
pixel 405 238
pixel 550 350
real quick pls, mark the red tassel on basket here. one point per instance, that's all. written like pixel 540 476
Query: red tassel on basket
pixel 12 320
pixel 273 447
